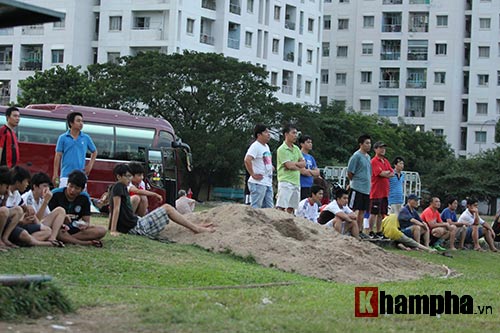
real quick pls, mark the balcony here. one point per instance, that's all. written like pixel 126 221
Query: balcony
pixel 414 113
pixel 233 43
pixel 416 84
pixel 419 28
pixel 145 34
pixel 416 55
pixel 32 30
pixel 6 32
pixel 30 65
pixel 392 84
pixel 390 55
pixel 208 4
pixel 235 8
pixel 5 65
pixel 288 90
pixel 207 39
pixel 392 2
pixel 388 112
pixel 391 28
pixel 289 24
pixel 289 57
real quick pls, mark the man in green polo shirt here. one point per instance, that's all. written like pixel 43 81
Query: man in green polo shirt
pixel 290 161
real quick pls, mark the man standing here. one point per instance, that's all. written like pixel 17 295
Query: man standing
pixel 359 172
pixel 311 170
pixel 396 186
pixel 9 148
pixel 260 168
pixel 439 230
pixel 71 149
pixel 290 161
pixel 379 192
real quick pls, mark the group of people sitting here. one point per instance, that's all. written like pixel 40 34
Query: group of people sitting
pixel 44 217
pixel 432 230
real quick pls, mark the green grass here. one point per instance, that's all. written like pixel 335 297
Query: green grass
pixel 169 287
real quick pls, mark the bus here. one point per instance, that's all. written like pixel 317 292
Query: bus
pixel 119 137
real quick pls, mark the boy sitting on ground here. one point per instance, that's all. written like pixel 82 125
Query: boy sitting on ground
pixel 123 219
pixel 9 218
pixel 339 215
pixel 137 190
pixel 308 208
pixel 76 204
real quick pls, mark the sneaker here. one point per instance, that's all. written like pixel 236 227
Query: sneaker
pixel 380 236
pixel 439 248
pixel 362 235
pixel 372 235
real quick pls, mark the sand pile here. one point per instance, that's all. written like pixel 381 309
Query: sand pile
pixel 277 239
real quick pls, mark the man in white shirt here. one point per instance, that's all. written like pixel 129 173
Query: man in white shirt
pixel 184 205
pixel 340 215
pixel 476 226
pixel 308 208
pixel 259 165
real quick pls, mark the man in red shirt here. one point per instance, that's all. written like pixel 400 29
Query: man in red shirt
pixel 439 230
pixel 9 148
pixel 379 191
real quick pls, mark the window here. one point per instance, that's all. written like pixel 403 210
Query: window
pixel 309 56
pixel 324 76
pixel 442 20
pixel 141 23
pixel 367 48
pixel 438 131
pixel 307 88
pixel 341 51
pixel 57 56
pixel 484 23
pixel 343 24
pixel 438 106
pixel 115 23
pixel 482 108
pixel 60 24
pixel 484 51
pixel 417 49
pixel 274 78
pixel 327 22
pixel 310 25
pixel 343 1
pixel 250 6
pixel 277 12
pixel 439 77
pixel 365 105
pixel 325 47
pixel 190 26
pixel 368 21
pixel 498 78
pixel 248 39
pixel 366 77
pixel 276 45
pixel 113 57
pixel 441 49
pixel 483 79
pixel 480 136
pixel 340 79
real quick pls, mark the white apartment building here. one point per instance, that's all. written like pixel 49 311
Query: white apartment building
pixel 284 36
pixel 431 62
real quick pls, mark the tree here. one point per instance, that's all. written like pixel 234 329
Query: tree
pixel 60 85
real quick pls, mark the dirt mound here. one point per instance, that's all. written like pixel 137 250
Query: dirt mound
pixel 276 239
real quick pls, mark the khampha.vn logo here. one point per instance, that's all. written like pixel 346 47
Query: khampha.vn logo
pixel 370 302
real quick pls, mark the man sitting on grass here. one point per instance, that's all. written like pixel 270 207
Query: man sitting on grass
pixel 123 219
pixel 339 215
pixel 476 227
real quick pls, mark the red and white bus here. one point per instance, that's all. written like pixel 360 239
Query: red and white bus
pixel 119 138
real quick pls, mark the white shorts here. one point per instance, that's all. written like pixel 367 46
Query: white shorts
pixel 288 195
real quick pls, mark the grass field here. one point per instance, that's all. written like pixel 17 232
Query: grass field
pixel 158 287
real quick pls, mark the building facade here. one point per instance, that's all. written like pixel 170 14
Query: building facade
pixel 432 64
pixel 282 36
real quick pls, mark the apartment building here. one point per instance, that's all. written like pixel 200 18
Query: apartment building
pixel 283 36
pixel 428 62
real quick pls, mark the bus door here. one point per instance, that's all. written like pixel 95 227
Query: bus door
pixel 162 171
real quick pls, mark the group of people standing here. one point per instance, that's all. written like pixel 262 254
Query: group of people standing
pixel 376 192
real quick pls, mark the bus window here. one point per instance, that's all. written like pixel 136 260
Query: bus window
pixel 103 137
pixel 165 140
pixel 38 130
pixel 129 140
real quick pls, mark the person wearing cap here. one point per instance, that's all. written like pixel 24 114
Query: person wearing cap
pixel 359 172
pixel 410 222
pixel 379 191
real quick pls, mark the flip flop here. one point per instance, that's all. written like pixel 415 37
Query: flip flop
pixel 446 254
pixel 56 243
pixel 479 249
pixel 97 243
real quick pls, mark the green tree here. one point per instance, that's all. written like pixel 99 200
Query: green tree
pixel 67 85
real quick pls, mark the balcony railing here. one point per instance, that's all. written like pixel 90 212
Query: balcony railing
pixel 392 2
pixel 289 57
pixel 6 31
pixel 233 43
pixel 415 55
pixel 388 84
pixel 207 39
pixel 208 4
pixel 5 65
pixel 287 89
pixel 422 28
pixel 32 30
pixel 388 112
pixel 235 9
pixel 391 28
pixel 414 113
pixel 390 55
pixel 416 84
pixel 30 65
pixel 289 25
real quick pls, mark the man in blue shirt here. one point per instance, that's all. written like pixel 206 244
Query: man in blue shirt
pixel 311 170
pixel 396 186
pixel 410 222
pixel 71 149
